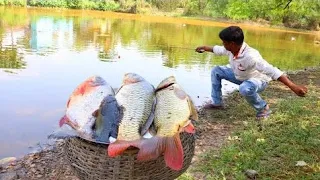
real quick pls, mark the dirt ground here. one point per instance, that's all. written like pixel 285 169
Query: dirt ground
pixel 211 134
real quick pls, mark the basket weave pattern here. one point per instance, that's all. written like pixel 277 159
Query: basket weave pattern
pixel 90 161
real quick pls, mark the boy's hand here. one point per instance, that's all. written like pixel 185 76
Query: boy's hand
pixel 200 49
pixel 299 90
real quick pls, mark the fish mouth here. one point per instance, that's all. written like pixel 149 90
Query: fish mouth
pixel 131 78
pixel 164 87
pixel 166 83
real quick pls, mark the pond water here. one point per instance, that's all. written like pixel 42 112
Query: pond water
pixel 46 53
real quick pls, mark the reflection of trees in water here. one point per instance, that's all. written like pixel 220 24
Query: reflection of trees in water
pixel 108 56
pixel 10 59
pixel 9 56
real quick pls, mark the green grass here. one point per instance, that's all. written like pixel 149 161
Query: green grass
pixel 291 134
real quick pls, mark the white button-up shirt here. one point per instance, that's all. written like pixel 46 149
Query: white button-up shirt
pixel 249 64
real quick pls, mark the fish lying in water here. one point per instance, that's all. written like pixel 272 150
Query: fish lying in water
pixel 82 104
pixel 107 120
pixel 173 114
pixel 136 96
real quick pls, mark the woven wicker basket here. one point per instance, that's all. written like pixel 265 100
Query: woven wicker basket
pixel 90 161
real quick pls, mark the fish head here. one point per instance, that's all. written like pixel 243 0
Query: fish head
pixel 131 78
pixel 166 83
pixel 96 81
pixel 86 87
pixel 83 102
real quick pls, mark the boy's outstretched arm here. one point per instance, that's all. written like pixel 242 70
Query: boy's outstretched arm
pixel 298 89
pixel 202 49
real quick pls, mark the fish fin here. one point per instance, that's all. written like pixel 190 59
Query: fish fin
pixel 118 89
pixel 115 125
pixel 193 110
pixel 150 119
pixel 189 128
pixel 147 135
pixel 66 120
pixel 171 147
pixel 179 93
pixel 173 154
pixel 153 129
pixel 119 146
pixel 95 113
pixel 63 120
pixel 112 139
pixel 151 148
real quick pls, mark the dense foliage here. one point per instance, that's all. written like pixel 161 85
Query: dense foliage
pixel 291 13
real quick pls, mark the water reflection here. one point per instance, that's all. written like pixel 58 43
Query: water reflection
pixel 50 34
pixel 10 59
pixel 45 54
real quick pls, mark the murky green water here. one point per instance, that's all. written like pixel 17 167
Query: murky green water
pixel 45 54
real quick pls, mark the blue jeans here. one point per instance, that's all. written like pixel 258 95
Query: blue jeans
pixel 248 88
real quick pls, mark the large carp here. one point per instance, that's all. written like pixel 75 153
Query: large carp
pixel 173 114
pixel 82 104
pixel 136 97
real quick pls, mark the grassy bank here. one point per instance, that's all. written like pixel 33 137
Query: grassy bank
pixel 290 135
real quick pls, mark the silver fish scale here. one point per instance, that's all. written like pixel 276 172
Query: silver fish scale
pixel 171 112
pixel 136 100
pixel 83 106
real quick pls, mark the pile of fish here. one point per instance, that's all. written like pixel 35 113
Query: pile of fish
pixel 138 115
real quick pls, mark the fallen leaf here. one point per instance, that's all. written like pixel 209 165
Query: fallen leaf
pixel 233 138
pixel 301 163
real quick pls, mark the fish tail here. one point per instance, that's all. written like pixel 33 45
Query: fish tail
pixel 118 147
pixel 151 148
pixel 171 147
pixel 173 154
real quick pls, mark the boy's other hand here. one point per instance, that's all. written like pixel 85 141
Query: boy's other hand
pixel 299 90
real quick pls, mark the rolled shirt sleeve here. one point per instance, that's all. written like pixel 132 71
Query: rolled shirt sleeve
pixel 264 67
pixel 220 50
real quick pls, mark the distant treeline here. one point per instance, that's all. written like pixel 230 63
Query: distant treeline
pixel 291 13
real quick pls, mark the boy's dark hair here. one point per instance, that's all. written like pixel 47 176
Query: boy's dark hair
pixel 232 33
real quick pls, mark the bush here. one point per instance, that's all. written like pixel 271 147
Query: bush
pixel 48 3
pixel 13 2
pixel 167 5
pixel 108 6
